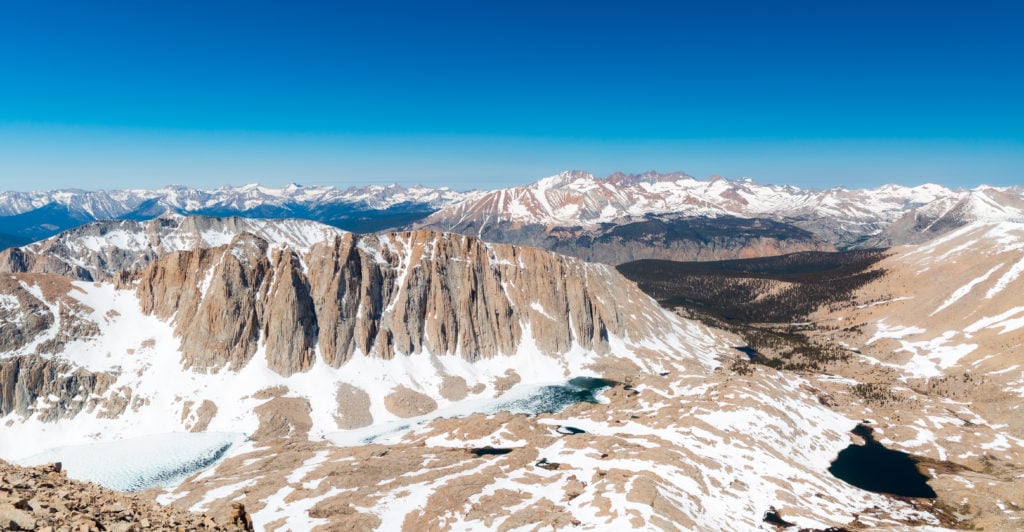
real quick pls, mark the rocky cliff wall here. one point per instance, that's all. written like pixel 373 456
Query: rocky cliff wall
pixel 380 295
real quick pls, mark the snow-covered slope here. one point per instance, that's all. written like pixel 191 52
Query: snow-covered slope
pixel 949 212
pixel 578 198
pixel 952 304
pixel 936 348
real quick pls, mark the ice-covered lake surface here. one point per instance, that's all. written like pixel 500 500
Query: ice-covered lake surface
pixel 139 463
pixel 524 399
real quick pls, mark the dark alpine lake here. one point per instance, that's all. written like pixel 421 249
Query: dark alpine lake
pixel 872 467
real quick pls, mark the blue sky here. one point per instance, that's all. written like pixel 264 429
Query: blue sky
pixel 487 93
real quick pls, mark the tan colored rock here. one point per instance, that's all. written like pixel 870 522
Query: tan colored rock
pixel 382 295
pixel 204 414
pixel 404 402
pixel 290 324
pixel 21 324
pixel 217 328
pixel 240 518
pixel 453 388
pixel 505 383
pixel 282 417
pixel 26 379
pixel 353 407
pixel 12 518
pixel 338 510
pixel 271 392
pixel 574 487
pixel 42 498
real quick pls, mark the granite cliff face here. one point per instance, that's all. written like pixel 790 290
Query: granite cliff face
pixel 402 293
pixel 281 327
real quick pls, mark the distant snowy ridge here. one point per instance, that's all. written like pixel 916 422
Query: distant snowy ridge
pixel 579 198
pixel 99 250
pixel 110 204
pixel 30 216
pixel 575 206
pixel 611 220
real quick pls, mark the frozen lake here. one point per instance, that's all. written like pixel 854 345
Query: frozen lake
pixel 525 399
pixel 139 463
pixel 163 460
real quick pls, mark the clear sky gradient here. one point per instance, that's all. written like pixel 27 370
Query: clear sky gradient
pixel 492 93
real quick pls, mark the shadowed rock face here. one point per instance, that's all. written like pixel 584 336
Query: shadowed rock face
pixel 380 295
pixel 22 316
pixel 65 389
pixel 291 325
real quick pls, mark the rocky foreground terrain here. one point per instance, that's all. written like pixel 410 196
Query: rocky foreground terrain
pixel 44 499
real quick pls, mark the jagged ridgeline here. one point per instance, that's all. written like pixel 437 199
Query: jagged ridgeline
pixel 234 285
pixel 778 289
pixel 125 318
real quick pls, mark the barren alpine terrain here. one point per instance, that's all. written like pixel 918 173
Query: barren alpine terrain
pixel 425 380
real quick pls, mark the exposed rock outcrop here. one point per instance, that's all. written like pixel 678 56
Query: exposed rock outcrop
pixel 278 332
pixel 23 317
pixel 381 295
pixel 353 407
pixel 50 389
pixel 404 402
pixel 282 417
pixel 43 498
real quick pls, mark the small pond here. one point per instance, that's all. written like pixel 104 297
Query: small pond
pixel 872 467
pixel 751 353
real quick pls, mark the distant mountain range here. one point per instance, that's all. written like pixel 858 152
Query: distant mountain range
pixel 37 215
pixel 675 216
pixel 614 219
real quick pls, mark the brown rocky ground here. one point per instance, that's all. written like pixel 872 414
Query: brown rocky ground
pixel 681 451
pixel 45 500
pixel 936 363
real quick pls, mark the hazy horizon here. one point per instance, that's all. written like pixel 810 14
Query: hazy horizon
pixel 279 184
